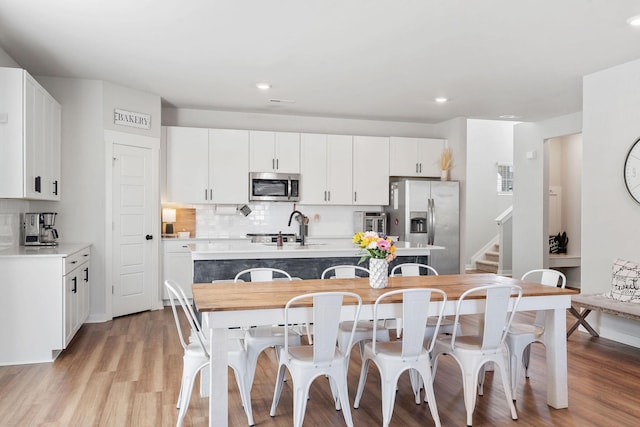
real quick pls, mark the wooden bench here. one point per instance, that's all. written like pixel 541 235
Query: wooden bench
pixel 582 305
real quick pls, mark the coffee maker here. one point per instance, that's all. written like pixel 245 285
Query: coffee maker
pixel 38 229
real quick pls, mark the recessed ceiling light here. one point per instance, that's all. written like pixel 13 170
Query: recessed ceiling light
pixel 634 21
pixel 263 86
pixel 509 116
pixel 441 99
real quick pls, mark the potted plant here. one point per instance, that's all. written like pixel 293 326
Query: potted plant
pixel 446 162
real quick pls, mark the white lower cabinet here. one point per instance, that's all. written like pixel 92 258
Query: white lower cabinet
pixel 177 266
pixel 45 301
pixel 76 293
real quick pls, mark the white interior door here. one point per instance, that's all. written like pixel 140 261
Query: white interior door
pixel 132 230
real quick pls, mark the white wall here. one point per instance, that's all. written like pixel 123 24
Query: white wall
pixel 530 245
pixel 488 142
pixel 87 109
pixel 610 217
pixel 81 207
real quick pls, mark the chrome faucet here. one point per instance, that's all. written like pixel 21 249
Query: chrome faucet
pixel 301 219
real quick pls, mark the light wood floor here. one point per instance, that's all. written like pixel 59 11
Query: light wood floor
pixel 127 373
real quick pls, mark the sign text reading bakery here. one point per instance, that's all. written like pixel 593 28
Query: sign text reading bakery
pixel 131 119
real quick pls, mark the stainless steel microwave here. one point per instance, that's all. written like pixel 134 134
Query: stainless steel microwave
pixel 274 187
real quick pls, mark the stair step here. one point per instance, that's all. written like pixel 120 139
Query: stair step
pixel 492 256
pixel 488 266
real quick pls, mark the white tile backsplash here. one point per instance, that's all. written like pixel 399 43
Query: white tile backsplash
pixel 272 217
pixel 10 211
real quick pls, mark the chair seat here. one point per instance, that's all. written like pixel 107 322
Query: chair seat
pixel 463 343
pixel 390 349
pixel 526 328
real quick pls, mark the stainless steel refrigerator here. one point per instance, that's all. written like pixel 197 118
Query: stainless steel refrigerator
pixel 427 212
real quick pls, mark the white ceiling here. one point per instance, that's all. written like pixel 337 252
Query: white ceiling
pixel 375 59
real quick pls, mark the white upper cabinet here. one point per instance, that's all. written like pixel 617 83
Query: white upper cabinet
pixel 229 165
pixel 415 156
pixel 370 170
pixel 187 156
pixel 274 152
pixel 30 131
pixel 326 164
pixel 207 165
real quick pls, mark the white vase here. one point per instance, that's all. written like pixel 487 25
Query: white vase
pixel 444 175
pixel 378 273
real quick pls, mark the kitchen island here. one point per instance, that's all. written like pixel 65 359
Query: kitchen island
pixel 222 261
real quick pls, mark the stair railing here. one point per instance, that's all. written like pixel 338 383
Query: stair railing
pixel 505 239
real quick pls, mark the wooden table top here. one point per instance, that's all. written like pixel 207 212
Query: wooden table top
pixel 267 295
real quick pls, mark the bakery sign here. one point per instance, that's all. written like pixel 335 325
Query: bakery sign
pixel 131 119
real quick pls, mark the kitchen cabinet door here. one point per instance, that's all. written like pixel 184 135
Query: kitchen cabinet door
pixel 370 170
pixel 177 267
pixel 277 152
pixel 287 152
pixel 187 157
pixel 229 165
pixel 70 312
pixel 313 169
pixel 30 135
pixel 325 166
pixel 339 169
pixel 415 156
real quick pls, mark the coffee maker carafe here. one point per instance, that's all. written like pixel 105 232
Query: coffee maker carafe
pixel 38 229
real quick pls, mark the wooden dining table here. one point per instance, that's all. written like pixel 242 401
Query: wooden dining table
pixel 229 305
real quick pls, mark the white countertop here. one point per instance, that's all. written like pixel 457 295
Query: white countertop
pixel 61 250
pixel 315 249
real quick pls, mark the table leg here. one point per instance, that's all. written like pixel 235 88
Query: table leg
pixel 556 344
pixel 218 378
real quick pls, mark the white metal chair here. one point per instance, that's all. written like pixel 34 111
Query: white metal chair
pixel 414 269
pixel 447 325
pixel 196 356
pixel 323 357
pixel 472 352
pixel 522 335
pixel 394 357
pixel 364 328
pixel 259 338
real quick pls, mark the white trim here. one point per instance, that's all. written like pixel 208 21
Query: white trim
pixel 504 216
pixel 152 143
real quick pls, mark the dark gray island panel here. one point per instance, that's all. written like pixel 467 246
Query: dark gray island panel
pixel 305 268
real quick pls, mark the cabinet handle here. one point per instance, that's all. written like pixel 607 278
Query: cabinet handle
pixel 148 237
pixel 420 167
pixel 417 168
pixel 38 184
pixel 75 285
pixel 55 187
pixel 325 195
pixel 273 163
pixel 277 163
pixel 355 196
pixel 211 194
pixel 74 262
pixel 86 274
pixel 329 194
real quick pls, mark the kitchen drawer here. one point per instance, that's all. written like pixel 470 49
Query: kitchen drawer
pixel 76 259
pixel 173 246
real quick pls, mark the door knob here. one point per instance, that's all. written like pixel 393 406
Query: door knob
pixel 149 237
